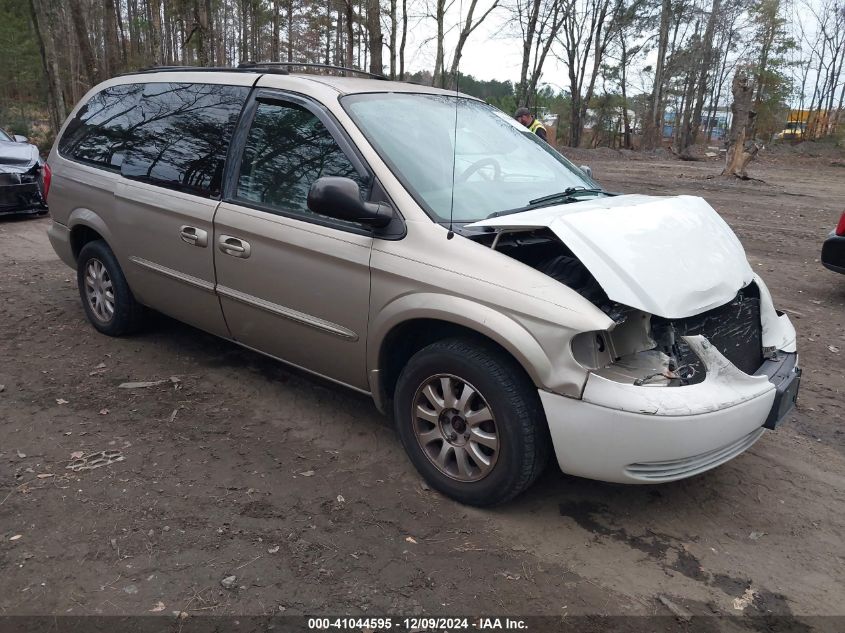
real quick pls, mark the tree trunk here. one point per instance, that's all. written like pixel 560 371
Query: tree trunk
pixel 274 44
pixel 691 131
pixel 112 47
pixel 350 33
pixel 623 63
pixel 290 30
pixel 121 34
pixel 89 62
pixel 467 28
pixel 438 77
pixel 200 33
pixel 376 37
pixel 404 39
pixel 527 46
pixel 394 24
pixel 328 57
pixel 338 42
pixel 653 132
pixel 743 148
pixel 41 24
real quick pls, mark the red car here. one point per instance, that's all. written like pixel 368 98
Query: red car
pixel 833 249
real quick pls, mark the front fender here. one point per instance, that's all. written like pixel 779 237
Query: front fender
pixel 547 372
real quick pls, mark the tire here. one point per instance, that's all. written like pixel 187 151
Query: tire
pixel 102 284
pixel 434 434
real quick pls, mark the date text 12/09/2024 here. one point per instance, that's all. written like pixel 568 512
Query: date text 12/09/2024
pixel 416 624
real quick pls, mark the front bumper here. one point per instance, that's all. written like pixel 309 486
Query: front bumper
pixel 20 193
pixel 628 434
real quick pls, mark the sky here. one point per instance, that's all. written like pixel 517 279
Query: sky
pixel 494 50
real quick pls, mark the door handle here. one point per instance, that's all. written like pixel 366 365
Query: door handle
pixel 234 246
pixel 193 236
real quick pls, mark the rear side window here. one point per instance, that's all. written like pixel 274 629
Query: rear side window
pixel 182 135
pixel 102 129
pixel 286 150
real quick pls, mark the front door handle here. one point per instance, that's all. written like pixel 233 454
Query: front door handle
pixel 193 236
pixel 234 246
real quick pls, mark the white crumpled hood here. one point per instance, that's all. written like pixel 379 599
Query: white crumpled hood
pixel 670 256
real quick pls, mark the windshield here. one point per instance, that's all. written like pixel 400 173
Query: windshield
pixel 495 163
pixel 4 136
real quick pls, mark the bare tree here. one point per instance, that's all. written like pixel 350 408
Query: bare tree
pixel 376 37
pixel 404 39
pixel 112 47
pixel 44 32
pixel 155 31
pixel 467 27
pixel 394 24
pixel 539 22
pixel 653 129
pixel 701 68
pixel 586 31
pixel 89 62
pixel 439 15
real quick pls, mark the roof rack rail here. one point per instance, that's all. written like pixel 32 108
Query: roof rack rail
pixel 206 69
pixel 269 65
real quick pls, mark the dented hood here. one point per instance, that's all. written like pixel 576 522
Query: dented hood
pixel 17 157
pixel 669 256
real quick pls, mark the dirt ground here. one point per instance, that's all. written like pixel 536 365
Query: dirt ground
pixel 301 490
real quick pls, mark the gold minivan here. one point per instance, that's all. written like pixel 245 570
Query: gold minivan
pixel 422 247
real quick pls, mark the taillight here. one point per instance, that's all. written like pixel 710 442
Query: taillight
pixel 840 228
pixel 46 179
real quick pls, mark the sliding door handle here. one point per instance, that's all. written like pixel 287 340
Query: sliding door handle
pixel 234 246
pixel 193 236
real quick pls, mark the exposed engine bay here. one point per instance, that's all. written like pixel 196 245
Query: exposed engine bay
pixel 641 349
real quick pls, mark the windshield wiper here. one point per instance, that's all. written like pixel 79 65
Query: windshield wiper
pixel 569 192
pixel 567 195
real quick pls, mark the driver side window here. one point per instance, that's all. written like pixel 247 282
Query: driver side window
pixel 286 150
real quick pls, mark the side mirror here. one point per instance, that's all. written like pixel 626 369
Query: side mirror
pixel 587 170
pixel 21 139
pixel 340 198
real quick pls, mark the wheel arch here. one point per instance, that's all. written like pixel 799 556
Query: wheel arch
pixel 86 226
pixel 415 321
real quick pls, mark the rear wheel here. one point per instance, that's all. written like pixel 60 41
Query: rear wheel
pixel 106 297
pixel 471 421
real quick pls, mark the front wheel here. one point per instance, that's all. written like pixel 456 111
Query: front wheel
pixel 471 421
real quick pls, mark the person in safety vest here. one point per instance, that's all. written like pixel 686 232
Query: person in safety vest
pixel 524 116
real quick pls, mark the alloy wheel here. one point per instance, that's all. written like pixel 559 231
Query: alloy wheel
pixel 455 427
pixel 99 290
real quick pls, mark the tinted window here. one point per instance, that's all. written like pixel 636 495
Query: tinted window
pixel 182 135
pixel 286 150
pixel 101 131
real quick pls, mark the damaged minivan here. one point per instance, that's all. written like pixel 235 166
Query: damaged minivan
pixel 423 248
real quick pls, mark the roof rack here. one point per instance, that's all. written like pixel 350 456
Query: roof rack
pixel 205 69
pixel 280 65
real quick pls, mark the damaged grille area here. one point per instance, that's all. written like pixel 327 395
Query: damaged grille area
pixel 20 191
pixel 734 329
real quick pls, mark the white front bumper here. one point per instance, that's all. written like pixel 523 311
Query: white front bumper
pixel 632 434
